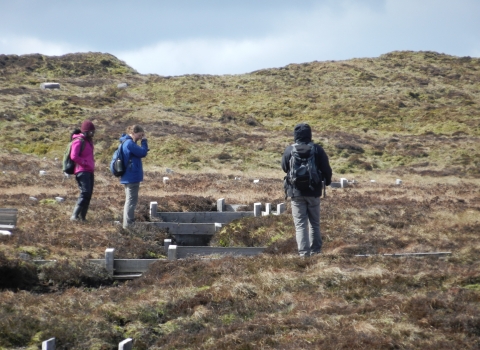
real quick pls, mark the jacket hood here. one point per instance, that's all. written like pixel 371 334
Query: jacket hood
pixel 76 136
pixel 302 133
pixel 125 137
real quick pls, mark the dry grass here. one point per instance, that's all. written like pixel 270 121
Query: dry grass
pixel 273 301
pixel 406 115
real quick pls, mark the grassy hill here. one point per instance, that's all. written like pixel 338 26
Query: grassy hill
pixel 399 110
pixel 408 115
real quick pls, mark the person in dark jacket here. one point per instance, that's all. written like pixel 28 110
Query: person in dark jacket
pixel 306 203
pixel 132 157
pixel 81 153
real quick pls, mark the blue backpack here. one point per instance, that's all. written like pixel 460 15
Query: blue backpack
pixel 117 165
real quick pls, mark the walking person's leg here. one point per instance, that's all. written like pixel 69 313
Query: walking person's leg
pixel 84 185
pixel 89 187
pixel 300 219
pixel 313 209
pixel 131 199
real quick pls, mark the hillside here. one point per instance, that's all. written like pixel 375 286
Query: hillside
pixel 399 111
pixel 408 115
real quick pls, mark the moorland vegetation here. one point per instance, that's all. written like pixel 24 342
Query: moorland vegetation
pixel 408 115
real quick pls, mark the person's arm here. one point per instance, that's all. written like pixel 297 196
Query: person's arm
pixel 324 165
pixel 138 151
pixel 286 159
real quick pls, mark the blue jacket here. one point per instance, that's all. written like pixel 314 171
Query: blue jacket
pixel 132 157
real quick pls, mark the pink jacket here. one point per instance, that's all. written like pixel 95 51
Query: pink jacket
pixel 84 161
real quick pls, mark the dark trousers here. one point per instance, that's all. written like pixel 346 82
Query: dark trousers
pixel 85 185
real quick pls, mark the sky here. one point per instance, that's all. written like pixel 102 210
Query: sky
pixel 218 37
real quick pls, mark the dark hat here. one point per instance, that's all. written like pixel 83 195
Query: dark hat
pixel 87 125
pixel 302 133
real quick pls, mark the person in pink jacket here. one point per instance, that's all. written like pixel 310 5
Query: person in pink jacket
pixel 82 154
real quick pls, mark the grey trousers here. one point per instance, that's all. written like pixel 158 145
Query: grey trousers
pixel 131 199
pixel 306 217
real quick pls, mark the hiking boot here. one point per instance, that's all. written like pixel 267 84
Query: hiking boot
pixel 83 214
pixel 76 213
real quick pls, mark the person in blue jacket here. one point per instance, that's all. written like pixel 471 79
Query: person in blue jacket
pixel 132 157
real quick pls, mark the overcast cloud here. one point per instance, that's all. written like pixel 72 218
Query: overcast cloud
pixel 230 37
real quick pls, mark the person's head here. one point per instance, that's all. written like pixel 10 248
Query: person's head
pixel 136 132
pixel 87 128
pixel 302 133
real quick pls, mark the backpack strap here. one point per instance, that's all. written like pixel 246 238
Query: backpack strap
pixel 82 145
pixel 120 147
pixel 322 181
pixel 286 179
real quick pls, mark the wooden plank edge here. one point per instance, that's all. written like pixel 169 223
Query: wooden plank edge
pixel 399 255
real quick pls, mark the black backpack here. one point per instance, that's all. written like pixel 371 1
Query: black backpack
pixel 303 174
pixel 117 165
pixel 68 165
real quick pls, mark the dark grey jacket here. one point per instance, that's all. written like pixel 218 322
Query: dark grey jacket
pixel 303 136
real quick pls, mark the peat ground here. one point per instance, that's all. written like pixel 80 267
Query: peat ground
pixel 273 301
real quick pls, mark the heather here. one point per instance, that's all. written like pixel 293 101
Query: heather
pixel 412 116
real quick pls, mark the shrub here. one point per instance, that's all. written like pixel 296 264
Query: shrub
pixel 351 148
pixel 224 156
